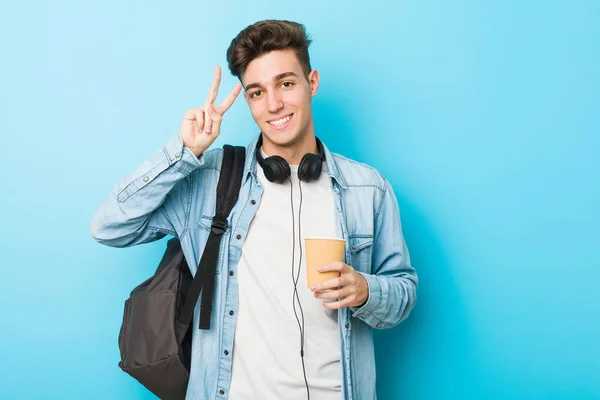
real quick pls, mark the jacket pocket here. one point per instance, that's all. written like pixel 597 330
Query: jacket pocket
pixel 360 252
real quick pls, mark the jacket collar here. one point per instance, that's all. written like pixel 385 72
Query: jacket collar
pixel 251 164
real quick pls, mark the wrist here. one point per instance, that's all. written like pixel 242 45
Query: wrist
pixel 364 290
pixel 196 151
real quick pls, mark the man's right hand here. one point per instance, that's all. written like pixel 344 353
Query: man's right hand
pixel 201 126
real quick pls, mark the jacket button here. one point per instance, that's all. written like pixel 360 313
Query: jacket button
pixel 347 326
pixel 238 237
pixel 226 352
pixel 221 391
pixel 253 202
pixel 146 179
pixel 379 325
pixel 230 273
pixel 231 312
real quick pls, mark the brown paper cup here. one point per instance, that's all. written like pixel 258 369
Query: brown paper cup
pixel 320 251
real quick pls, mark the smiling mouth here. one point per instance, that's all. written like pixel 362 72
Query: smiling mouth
pixel 282 122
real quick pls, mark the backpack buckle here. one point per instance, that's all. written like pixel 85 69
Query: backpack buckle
pixel 219 224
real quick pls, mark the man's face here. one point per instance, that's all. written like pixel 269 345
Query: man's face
pixel 280 97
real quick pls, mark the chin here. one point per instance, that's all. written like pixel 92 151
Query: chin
pixel 280 138
pixel 285 140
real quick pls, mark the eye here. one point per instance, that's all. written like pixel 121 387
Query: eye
pixel 287 84
pixel 255 94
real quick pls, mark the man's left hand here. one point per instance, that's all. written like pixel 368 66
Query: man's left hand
pixel 350 288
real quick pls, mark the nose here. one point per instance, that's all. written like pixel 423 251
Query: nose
pixel 274 102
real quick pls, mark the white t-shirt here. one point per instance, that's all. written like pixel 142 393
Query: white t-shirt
pixel 266 350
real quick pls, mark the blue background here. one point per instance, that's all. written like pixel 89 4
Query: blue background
pixel 484 115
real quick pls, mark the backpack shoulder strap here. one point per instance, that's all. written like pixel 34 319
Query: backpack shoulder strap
pixel 228 188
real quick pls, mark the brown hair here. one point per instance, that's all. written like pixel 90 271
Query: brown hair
pixel 265 36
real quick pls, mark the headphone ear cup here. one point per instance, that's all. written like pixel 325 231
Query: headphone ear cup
pixel 310 167
pixel 276 169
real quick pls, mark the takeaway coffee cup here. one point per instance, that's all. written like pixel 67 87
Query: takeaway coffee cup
pixel 320 251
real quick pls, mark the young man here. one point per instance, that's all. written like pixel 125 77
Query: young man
pixel 253 349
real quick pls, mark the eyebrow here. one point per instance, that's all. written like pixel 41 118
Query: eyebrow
pixel 276 78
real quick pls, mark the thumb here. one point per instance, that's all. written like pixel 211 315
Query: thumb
pixel 190 115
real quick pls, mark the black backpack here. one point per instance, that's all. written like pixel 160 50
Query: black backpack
pixel 155 339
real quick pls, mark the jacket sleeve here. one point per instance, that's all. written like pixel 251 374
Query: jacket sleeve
pixel 135 210
pixel 393 281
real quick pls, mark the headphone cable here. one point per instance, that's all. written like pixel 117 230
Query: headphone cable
pixel 296 278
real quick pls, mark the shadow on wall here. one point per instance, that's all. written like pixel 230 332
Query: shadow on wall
pixel 409 352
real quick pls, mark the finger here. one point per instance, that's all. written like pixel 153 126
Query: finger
pixel 215 118
pixel 336 266
pixel 214 88
pixel 199 120
pixel 333 283
pixel 333 294
pixel 226 104
pixel 207 122
pixel 335 305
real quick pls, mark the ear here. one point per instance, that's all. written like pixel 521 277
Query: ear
pixel 313 79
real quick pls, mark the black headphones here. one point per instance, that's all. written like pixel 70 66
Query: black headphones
pixel 277 170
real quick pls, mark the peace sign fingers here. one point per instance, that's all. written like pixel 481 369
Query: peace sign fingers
pixel 221 109
pixel 214 88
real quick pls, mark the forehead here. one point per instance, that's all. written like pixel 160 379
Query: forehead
pixel 264 68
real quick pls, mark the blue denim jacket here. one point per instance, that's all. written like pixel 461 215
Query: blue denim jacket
pixel 174 193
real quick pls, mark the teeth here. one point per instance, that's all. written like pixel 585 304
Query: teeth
pixel 281 121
